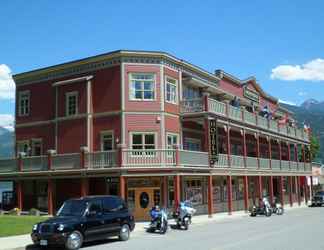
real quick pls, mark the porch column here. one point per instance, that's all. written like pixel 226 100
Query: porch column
pixel 281 190
pixel 165 191
pixel 271 188
pixel 84 186
pixel 229 194
pixel 228 135
pixel 280 152
pixel 289 156
pixel 122 187
pixel 177 190
pixel 246 192
pixel 210 196
pixel 260 188
pixel 290 190
pixel 50 207
pixel 258 149
pixel 305 186
pixel 83 152
pixel 311 188
pixel 270 152
pixel 298 190
pixel 19 194
pixel 304 155
pixel 244 148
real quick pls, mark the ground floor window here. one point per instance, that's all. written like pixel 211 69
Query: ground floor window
pixel 194 191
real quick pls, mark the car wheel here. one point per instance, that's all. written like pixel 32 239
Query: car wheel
pixel 74 241
pixel 124 233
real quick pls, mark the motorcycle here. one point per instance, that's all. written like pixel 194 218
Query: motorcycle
pixel 183 214
pixel 263 209
pixel 159 220
pixel 277 207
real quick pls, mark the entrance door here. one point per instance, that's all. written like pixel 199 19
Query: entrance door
pixel 144 201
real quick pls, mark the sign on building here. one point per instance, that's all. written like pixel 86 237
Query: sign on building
pixel 213 133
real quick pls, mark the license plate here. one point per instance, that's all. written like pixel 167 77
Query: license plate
pixel 43 243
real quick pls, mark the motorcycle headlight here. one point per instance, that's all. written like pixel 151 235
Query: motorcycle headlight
pixel 35 227
pixel 60 227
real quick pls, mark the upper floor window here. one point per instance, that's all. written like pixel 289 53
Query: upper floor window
pixel 171 92
pixel 36 147
pixel 71 103
pixel 24 103
pixel 192 144
pixel 172 140
pixel 142 86
pixel 142 141
pixel 23 147
pixel 107 141
pixel 190 93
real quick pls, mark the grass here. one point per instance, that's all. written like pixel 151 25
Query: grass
pixel 16 225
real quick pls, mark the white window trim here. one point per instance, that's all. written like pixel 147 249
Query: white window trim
pixel 20 93
pixel 130 87
pixel 33 140
pixel 107 132
pixel 172 134
pixel 21 142
pixel 142 133
pixel 67 95
pixel 176 87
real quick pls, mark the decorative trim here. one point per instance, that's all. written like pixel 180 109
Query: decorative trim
pixel 69 81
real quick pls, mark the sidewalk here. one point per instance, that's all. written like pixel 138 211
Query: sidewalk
pixel 21 241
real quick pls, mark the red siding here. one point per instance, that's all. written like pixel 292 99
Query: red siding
pixel 172 124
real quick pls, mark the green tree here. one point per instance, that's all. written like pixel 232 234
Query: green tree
pixel 314 147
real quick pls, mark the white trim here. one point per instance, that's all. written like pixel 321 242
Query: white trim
pixel 67 96
pixel 79 79
pixel 107 132
pixel 172 134
pixel 130 146
pixel 25 142
pixel 89 117
pixel 162 125
pixel 56 115
pixel 20 93
pixel 33 140
pixel 176 84
pixel 130 86
pixel 123 95
pixel 180 86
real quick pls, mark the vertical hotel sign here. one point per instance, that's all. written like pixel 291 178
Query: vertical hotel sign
pixel 213 147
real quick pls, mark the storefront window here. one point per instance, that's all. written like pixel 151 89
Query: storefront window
pixel 194 191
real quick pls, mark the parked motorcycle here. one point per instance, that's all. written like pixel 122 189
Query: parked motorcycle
pixel 159 220
pixel 263 209
pixel 277 207
pixel 183 214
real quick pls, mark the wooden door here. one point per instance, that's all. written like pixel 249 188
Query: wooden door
pixel 144 201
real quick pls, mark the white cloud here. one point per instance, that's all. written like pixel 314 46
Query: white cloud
pixel 7 121
pixel 310 71
pixel 7 85
pixel 287 102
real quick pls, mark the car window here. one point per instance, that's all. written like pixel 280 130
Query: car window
pixel 72 208
pixel 95 206
pixel 112 204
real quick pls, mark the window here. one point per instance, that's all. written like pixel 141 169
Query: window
pixel 36 147
pixel 190 93
pixel 192 144
pixel 113 204
pixel 172 141
pixel 107 141
pixel 171 90
pixel 24 103
pixel 71 101
pixel 142 86
pixel 95 206
pixel 23 147
pixel 141 141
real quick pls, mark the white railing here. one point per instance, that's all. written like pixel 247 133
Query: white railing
pixel 192 105
pixel 293 165
pixel 66 161
pixel 101 159
pixel 275 164
pixel 308 167
pixel 222 161
pixel 249 118
pixel 193 158
pixel 285 165
pixel 273 125
pixel 34 163
pixel 216 107
pixel 149 158
pixel 291 131
pixel 263 122
pixel 235 113
pixel 252 162
pixel 8 165
pixel 283 129
pixel 264 163
pixel 237 161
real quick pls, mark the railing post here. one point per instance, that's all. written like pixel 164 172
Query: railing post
pixel 120 151
pixel 83 151
pixel 206 96
pixel 177 155
pixel 50 154
pixel 20 161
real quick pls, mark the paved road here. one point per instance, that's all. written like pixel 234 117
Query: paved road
pixel 298 229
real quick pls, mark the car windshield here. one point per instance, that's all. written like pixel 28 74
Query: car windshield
pixel 72 208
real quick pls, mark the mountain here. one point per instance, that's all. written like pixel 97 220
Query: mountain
pixel 6 143
pixel 311 112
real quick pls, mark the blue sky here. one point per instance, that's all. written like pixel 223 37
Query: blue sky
pixel 243 38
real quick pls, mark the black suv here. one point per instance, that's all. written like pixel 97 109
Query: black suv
pixel 318 199
pixel 85 219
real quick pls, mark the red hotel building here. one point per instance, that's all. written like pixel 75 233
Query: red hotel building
pixel 138 123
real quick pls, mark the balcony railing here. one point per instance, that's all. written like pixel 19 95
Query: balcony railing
pixel 8 165
pixel 238 114
pixel 101 159
pixel 193 158
pixel 34 163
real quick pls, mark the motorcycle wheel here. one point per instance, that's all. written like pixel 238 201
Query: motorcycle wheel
pixel 186 225
pixel 267 213
pixel 280 211
pixel 164 228
pixel 253 214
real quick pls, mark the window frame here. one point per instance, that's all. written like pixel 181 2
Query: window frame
pixel 143 151
pixel 33 141
pixel 107 132
pixel 20 93
pixel 131 79
pixel 175 84
pixel 67 106
pixel 24 142
pixel 172 134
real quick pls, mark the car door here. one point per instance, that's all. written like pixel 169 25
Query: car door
pixel 113 220
pixel 94 223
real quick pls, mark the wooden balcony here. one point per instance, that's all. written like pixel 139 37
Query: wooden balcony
pixel 157 158
pixel 240 115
